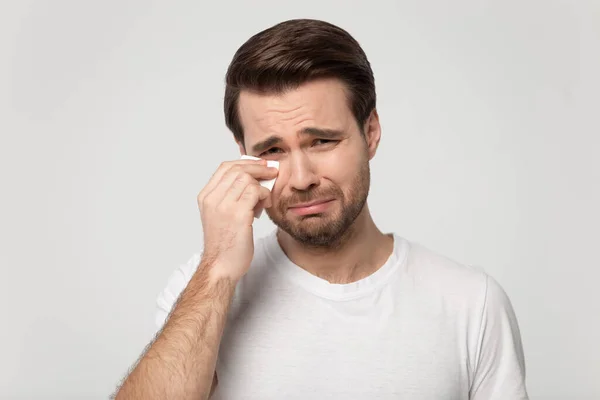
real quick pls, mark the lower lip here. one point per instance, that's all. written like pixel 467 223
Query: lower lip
pixel 313 209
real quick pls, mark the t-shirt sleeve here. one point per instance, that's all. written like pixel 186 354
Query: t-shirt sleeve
pixel 500 369
pixel 177 282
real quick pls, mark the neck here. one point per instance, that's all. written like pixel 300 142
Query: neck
pixel 362 251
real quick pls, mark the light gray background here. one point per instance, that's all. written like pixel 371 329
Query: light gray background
pixel 111 122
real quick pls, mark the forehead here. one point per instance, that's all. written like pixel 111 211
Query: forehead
pixel 321 104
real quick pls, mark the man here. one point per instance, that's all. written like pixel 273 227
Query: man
pixel 328 306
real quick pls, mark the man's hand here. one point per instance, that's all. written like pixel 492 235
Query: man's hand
pixel 227 205
pixel 180 363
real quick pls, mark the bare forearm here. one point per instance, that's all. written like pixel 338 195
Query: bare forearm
pixel 180 363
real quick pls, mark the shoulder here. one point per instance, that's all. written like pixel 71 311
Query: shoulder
pixel 457 283
pixel 476 302
pixel 438 272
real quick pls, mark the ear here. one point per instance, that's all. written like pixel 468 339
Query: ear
pixel 372 130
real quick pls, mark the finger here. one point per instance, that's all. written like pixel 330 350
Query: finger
pixel 260 172
pixel 252 195
pixel 265 200
pixel 227 166
pixel 257 171
pixel 223 169
pixel 266 203
pixel 236 186
pixel 237 177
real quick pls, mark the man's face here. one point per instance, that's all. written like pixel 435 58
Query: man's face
pixel 324 176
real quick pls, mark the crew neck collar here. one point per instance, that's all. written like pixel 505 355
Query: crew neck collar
pixel 336 291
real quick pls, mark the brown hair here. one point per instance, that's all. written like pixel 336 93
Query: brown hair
pixel 294 52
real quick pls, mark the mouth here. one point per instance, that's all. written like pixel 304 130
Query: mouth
pixel 310 203
pixel 313 207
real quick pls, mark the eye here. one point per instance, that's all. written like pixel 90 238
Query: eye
pixel 321 142
pixel 272 150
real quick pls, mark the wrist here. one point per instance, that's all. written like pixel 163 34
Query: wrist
pixel 217 275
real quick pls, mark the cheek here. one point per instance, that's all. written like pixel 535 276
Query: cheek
pixel 337 167
pixel 278 192
pixel 341 168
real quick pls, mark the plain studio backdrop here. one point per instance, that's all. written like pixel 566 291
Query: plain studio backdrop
pixel 111 121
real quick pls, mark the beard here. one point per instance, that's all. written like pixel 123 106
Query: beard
pixel 331 228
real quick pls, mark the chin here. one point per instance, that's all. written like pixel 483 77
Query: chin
pixel 326 237
pixel 314 231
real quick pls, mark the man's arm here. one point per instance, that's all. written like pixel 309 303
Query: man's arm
pixel 180 363
pixel 500 369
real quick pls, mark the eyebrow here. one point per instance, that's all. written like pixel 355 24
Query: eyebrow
pixel 310 131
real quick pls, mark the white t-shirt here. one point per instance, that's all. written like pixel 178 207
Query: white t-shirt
pixel 421 327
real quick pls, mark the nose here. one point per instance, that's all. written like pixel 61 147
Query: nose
pixel 302 173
